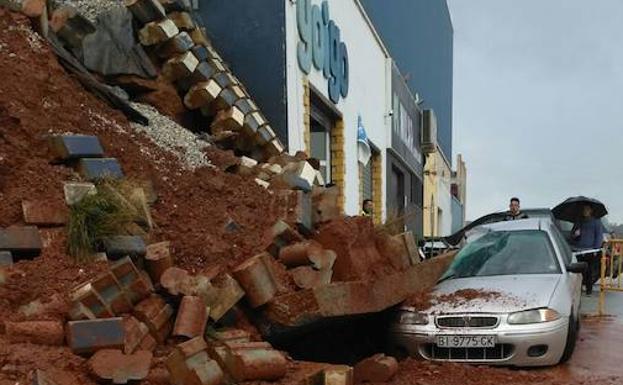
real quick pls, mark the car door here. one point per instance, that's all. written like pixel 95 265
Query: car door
pixel 572 281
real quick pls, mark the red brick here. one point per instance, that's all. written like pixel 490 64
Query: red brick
pixel 44 213
pixel 256 280
pixel 158 259
pixel 192 318
pixel 256 364
pixel 113 365
pixel 92 335
pixel 378 368
pixel 36 332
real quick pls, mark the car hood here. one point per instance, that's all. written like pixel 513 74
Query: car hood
pixel 497 294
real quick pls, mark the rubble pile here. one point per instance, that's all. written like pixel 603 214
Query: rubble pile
pixel 166 295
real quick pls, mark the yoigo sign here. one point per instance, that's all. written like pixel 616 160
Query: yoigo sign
pixel 320 45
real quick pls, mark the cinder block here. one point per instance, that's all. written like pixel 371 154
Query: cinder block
pixel 325 204
pixel 6 259
pixel 112 293
pixel 200 52
pixel 246 105
pixel 225 99
pixel 192 318
pixel 231 119
pixel 180 66
pixel 156 314
pixel 124 245
pixel 229 293
pixel 76 191
pixel 36 332
pixel 282 235
pixel 21 241
pixel 225 79
pixel 88 303
pixel 303 213
pixel 202 94
pixel 113 365
pixel 179 44
pixel 135 285
pixel 97 169
pixel 300 175
pixel 42 213
pixel 71 147
pixel 182 20
pixel 157 32
pixel 176 5
pixel 336 375
pixel 256 280
pixel 265 134
pixel 274 148
pixel 202 73
pixel 252 123
pixel 189 363
pixel 378 368
pixel 256 364
pixel 158 259
pixel 146 11
pixel 91 335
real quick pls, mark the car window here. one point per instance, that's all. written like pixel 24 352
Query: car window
pixel 505 253
pixel 567 253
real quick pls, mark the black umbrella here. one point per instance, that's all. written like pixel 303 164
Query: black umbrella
pixel 571 209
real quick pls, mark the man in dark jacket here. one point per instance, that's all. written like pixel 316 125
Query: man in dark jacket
pixel 588 233
pixel 514 211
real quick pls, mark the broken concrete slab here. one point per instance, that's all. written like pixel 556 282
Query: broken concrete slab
pixel 124 245
pixel 42 213
pixel 157 32
pixel 114 365
pixel 180 66
pixel 378 368
pixel 21 241
pixel 71 147
pixel 76 191
pixel 179 44
pixel 6 259
pixel 91 335
pixel 158 259
pixel 146 11
pixel 192 318
pixel 36 332
pixel 100 168
pixel 256 280
pixel 202 94
pixel 189 363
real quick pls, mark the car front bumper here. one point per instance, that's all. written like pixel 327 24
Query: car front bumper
pixel 516 344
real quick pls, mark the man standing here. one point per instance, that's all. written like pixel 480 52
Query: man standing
pixel 515 210
pixel 366 209
pixel 588 233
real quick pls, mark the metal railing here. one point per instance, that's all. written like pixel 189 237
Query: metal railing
pixel 611 268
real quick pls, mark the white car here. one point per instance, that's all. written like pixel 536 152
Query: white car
pixel 527 315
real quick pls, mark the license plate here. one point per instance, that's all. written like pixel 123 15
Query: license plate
pixel 466 341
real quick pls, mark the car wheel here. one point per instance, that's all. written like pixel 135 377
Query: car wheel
pixel 572 335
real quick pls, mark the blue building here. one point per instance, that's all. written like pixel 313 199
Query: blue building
pixel 419 37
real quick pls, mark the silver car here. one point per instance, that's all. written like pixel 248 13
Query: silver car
pixel 526 308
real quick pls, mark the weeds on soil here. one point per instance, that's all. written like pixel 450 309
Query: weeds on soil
pixel 97 216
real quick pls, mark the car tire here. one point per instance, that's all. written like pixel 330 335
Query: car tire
pixel 572 335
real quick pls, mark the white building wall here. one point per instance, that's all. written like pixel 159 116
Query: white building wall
pixel 368 95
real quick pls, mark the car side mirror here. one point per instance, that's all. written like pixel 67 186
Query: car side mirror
pixel 577 267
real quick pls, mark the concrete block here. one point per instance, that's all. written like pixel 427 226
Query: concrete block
pixel 135 333
pixel 272 168
pixel 135 284
pixel 202 94
pixel 157 32
pixel 230 119
pixel 256 364
pixel 202 73
pixel 303 213
pixel 180 66
pixel 282 235
pixel 274 148
pixel 300 176
pixel 112 293
pixel 156 314
pixel 325 204
pixel 124 245
pixel 378 368
pixel 115 366
pixel 265 134
pixel 336 375
pixel 6 259
pixel 225 99
pixel 192 318
pixel 319 181
pixel 76 191
pixel 189 363
pixel 97 169
pixel 182 20
pixel 298 254
pixel 252 123
pixel 21 241
pixel 246 105
pixel 36 332
pixel 262 183
pixel 200 52
pixel 239 92
pixel 199 36
pixel 88 303
pixel 256 280
pixel 146 11
pixel 72 147
pixel 179 44
pixel 91 335
pixel 158 259
pixel 176 5
pixel 213 53
pixel 70 26
pixel 42 213
pixel 229 293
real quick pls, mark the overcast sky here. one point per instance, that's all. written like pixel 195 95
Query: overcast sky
pixel 538 101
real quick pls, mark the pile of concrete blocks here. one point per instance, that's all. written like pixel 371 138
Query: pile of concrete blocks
pixel 168 31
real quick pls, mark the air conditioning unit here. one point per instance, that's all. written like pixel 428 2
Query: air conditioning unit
pixel 429 132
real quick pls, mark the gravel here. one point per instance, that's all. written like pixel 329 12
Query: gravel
pixel 172 137
pixel 91 8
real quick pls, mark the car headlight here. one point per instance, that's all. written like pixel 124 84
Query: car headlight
pixel 413 318
pixel 533 316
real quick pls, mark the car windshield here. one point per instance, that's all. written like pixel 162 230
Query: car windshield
pixel 505 253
